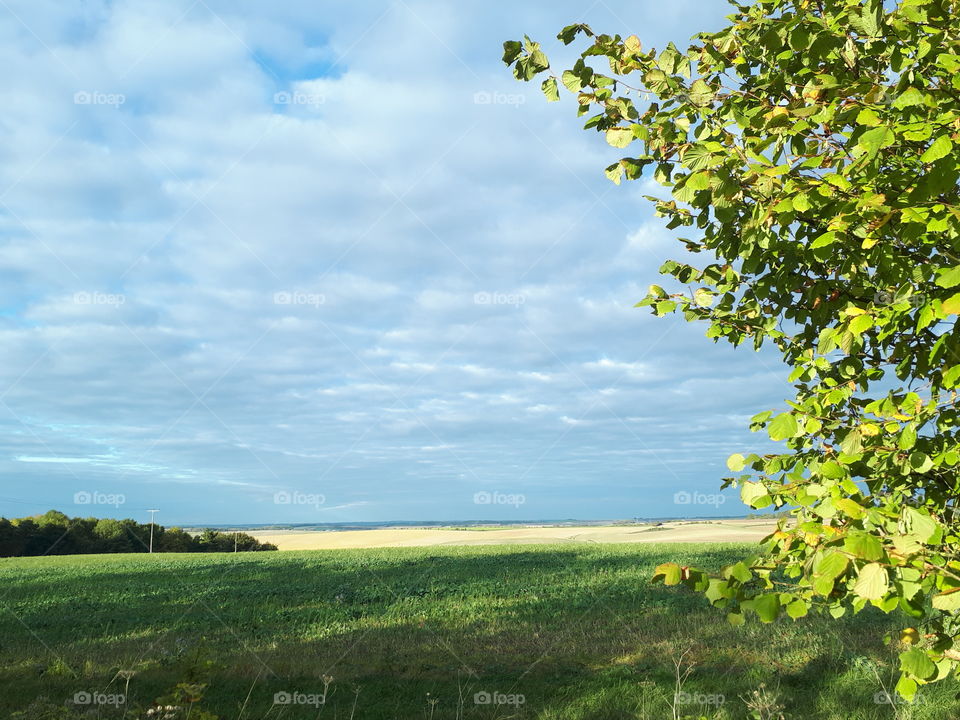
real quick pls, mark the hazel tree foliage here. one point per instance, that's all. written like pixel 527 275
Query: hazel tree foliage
pixel 810 152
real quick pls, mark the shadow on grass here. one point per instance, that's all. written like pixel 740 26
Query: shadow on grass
pixel 576 632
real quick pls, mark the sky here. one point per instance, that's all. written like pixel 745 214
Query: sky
pixel 308 262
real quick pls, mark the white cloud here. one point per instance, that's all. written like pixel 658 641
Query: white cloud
pixel 378 210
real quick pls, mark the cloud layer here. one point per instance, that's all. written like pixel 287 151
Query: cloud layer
pixel 337 251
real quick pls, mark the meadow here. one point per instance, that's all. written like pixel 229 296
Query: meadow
pixel 571 632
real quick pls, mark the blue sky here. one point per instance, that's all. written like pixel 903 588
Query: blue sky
pixel 327 262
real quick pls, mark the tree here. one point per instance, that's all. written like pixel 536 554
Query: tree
pixel 53 517
pixel 11 541
pixel 56 534
pixel 176 540
pixel 110 536
pixel 809 153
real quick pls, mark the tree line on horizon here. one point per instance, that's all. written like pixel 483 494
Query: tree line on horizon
pixel 54 533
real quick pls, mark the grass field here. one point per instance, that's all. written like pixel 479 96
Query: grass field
pixel 551 631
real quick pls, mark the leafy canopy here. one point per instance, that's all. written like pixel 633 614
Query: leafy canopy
pixel 811 151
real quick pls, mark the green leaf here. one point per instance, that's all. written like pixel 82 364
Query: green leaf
pixel 670 572
pixel 755 495
pixel 717 590
pixel 872 582
pixel 831 565
pixel 868 22
pixel 949 61
pixel 906 544
pixel 614 173
pixel 910 96
pixel 619 137
pixel 872 141
pixel 915 215
pixel 767 607
pixel 906 687
pixel 569 33
pixel 868 117
pixel 916 662
pixel 511 51
pixel 837 611
pixel 921 524
pixel 797 609
pixel 667 60
pixel 699 180
pixel 801 202
pixel 760 418
pixel 920 461
pixel 700 93
pixel 703 297
pixel 852 443
pixel 736 462
pixel 571 81
pixel 860 324
pixel 864 546
pixel 832 470
pixel 951 306
pixel 538 60
pixel 947 601
pixel 697 157
pixel 739 571
pixel 549 88
pixel 827 238
pixel 851 508
pixel 783 426
pixel 940 148
pixel 949 277
pixel 908 436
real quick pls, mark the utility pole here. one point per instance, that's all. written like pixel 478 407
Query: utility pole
pixel 152 515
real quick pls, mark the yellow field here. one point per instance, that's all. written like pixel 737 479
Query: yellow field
pixel 679 531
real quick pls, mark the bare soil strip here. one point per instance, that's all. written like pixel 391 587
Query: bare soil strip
pixel 695 531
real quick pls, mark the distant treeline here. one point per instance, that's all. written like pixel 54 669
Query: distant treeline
pixel 56 534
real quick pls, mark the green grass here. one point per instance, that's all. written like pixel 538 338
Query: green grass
pixel 578 630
